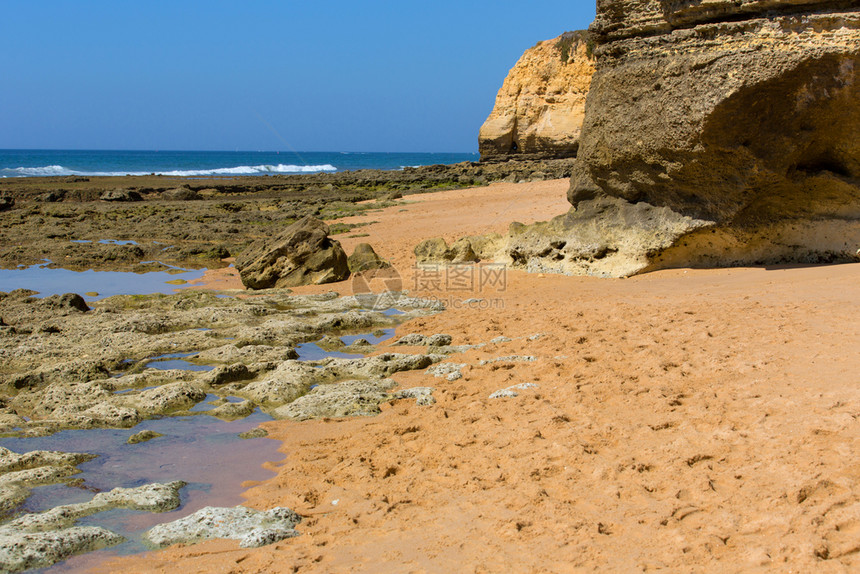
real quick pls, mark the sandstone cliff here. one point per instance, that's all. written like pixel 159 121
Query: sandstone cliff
pixel 539 110
pixel 717 132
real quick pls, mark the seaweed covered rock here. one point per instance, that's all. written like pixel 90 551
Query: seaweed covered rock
pixel 302 255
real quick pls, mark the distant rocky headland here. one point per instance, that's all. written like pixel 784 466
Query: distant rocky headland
pixel 539 109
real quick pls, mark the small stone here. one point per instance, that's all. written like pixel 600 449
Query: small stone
pixel 511 391
pixel 509 359
pixel 449 371
pixel 254 433
pixel 143 436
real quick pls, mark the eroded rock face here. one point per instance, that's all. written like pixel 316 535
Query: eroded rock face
pixel 302 255
pixel 603 237
pixel 741 115
pixel 540 107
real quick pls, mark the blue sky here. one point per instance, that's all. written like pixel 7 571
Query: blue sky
pixel 263 75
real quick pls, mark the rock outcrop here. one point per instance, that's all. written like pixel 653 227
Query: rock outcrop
pixel 540 108
pixel 741 117
pixel 252 528
pixel 42 539
pixel 302 255
pixel 364 258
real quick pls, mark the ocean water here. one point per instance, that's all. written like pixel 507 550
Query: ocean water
pixel 35 163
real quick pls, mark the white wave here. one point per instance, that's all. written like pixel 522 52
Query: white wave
pixel 57 170
pixel 254 170
pixel 35 171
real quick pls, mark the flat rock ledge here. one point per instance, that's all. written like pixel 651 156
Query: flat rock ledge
pixel 19 473
pixel 39 540
pixel 252 528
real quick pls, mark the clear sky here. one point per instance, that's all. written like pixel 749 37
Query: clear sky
pixel 263 75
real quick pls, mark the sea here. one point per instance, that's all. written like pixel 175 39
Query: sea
pixel 41 163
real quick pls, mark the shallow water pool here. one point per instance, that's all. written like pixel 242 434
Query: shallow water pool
pixel 49 281
pixel 201 450
pixel 313 352
pixel 175 361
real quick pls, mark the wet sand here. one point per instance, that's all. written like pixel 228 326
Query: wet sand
pixel 689 420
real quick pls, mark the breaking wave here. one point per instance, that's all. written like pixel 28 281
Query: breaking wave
pixel 55 170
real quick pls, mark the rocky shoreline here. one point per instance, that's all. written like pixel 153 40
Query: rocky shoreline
pixel 70 364
pixel 197 222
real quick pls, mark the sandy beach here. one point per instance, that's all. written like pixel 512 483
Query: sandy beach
pixel 696 420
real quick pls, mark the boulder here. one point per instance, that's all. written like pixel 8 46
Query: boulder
pixel 302 254
pixel 143 436
pixel 66 303
pixel 41 539
pixel 120 195
pixel 52 196
pixel 735 122
pixel 364 258
pixel 6 203
pixel 181 194
pixel 461 252
pixel 436 250
pixel 166 398
pixel 431 250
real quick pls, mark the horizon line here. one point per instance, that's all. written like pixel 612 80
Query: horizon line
pixel 234 151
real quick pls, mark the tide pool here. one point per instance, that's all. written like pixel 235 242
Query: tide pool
pixel 48 281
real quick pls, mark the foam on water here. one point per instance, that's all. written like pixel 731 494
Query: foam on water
pixel 59 170
pixel 36 163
